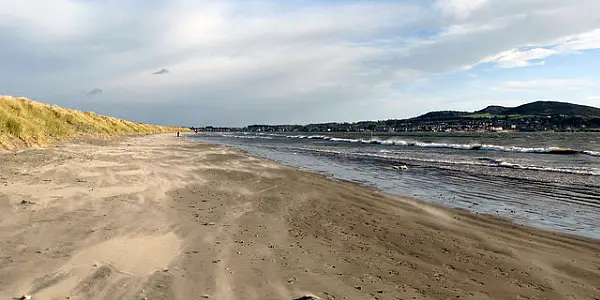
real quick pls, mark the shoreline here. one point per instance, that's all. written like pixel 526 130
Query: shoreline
pixel 480 217
pixel 573 216
pixel 456 210
pixel 224 224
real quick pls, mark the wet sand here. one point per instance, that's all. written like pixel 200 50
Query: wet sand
pixel 160 217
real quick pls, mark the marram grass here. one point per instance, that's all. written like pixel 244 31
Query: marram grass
pixel 26 123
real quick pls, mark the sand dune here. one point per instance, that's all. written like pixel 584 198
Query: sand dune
pixel 160 217
pixel 27 123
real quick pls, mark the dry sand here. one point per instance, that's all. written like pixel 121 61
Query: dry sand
pixel 160 217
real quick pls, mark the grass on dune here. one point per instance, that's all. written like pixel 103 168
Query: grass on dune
pixel 24 122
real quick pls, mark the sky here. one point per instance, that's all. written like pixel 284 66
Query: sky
pixel 235 63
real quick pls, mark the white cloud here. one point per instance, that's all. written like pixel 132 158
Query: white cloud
pixel 460 8
pixel 586 41
pixel 545 85
pixel 520 58
pixel 467 29
pixel 57 19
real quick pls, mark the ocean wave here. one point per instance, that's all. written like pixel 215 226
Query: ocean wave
pixel 344 140
pixel 409 143
pixel 549 150
pixel 475 146
pixel 482 162
pixel 592 153
pixel 251 137
pixel 592 172
pixel 449 146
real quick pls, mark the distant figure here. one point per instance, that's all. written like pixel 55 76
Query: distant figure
pixel 177 133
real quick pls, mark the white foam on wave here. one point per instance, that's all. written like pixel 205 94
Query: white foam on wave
pixel 444 145
pixel 371 141
pixel 344 140
pixel 252 137
pixel 486 147
pixel 592 153
pixel 395 142
pixel 580 171
pixel 519 149
pixel 486 163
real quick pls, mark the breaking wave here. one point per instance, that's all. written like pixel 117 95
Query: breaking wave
pixel 485 147
pixel 592 153
pixel 483 162
pixel 420 144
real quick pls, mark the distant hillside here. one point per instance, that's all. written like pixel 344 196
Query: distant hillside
pixel 494 110
pixel 442 115
pixel 538 108
pixel 548 108
pixel 24 122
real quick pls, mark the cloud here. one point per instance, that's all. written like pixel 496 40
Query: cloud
pixel 95 91
pixel 586 41
pixel 56 20
pixel 504 30
pixel 460 8
pixel 241 62
pixel 521 58
pixel 161 72
pixel 545 85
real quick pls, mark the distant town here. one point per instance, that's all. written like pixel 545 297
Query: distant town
pixel 536 116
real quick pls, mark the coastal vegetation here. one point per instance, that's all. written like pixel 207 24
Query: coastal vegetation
pixel 24 122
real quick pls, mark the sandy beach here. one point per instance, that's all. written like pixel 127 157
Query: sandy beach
pixel 159 217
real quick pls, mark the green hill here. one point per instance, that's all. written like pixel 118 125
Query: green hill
pixel 493 110
pixel 26 123
pixel 549 108
pixel 538 108
pixel 442 115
